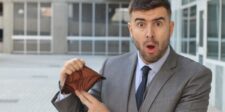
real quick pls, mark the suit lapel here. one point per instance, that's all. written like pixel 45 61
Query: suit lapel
pixel 159 81
pixel 127 83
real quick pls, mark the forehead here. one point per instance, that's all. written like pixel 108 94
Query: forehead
pixel 150 14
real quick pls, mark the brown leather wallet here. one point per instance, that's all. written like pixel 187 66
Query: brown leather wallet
pixel 81 80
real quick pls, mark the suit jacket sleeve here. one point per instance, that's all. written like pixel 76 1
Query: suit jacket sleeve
pixel 196 93
pixel 69 104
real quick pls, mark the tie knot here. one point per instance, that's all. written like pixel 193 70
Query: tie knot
pixel 145 70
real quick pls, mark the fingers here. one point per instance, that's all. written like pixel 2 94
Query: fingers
pixel 80 64
pixel 93 104
pixel 83 99
pixel 73 65
pixel 89 97
pixel 69 67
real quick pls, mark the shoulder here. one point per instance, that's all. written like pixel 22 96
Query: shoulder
pixel 192 67
pixel 122 58
pixel 120 61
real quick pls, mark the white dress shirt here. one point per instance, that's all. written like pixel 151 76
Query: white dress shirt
pixel 155 67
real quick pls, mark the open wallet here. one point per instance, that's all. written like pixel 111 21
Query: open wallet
pixel 83 79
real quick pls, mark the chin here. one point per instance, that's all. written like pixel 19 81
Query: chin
pixel 151 59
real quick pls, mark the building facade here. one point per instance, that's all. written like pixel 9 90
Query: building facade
pixel 97 27
pixel 200 35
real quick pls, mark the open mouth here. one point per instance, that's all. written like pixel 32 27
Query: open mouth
pixel 151 48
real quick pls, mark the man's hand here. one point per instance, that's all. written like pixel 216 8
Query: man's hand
pixel 69 67
pixel 91 102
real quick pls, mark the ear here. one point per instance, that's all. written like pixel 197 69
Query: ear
pixel 131 35
pixel 130 29
pixel 171 28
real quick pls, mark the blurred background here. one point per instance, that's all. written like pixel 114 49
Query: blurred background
pixel 37 36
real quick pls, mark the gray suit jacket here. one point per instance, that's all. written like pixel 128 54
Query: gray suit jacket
pixel 181 85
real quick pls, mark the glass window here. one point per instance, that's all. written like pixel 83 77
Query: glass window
pixel 86 19
pixel 192 0
pixel 113 47
pixel 223 32
pixel 1 9
pixel 45 45
pixel 193 22
pixel 192 47
pixel 212 48
pixel 192 29
pixel 113 20
pixel 125 46
pixel 189 30
pixel 125 19
pixel 73 45
pixel 223 19
pixel 185 23
pixel 100 47
pixel 184 47
pixel 32 18
pixel 45 19
pixel 18 21
pixel 86 46
pixel 184 2
pixel 100 20
pixel 223 50
pixel 31 45
pixel 38 23
pixel 213 19
pixel 213 28
pixel 18 45
pixel 32 15
pixel 73 20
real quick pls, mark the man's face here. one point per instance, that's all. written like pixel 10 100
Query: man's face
pixel 151 31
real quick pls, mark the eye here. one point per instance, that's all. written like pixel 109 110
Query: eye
pixel 158 23
pixel 140 24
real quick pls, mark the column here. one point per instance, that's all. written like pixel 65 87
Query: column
pixel 7 26
pixel 60 27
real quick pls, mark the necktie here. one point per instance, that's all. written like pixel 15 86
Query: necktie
pixel 141 88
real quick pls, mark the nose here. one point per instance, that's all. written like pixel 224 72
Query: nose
pixel 149 33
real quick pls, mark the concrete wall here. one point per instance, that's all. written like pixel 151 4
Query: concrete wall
pixel 59 27
pixel 8 26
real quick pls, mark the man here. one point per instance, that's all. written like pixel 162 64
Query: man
pixel 152 79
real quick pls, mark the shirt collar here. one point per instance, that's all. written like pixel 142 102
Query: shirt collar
pixel 156 66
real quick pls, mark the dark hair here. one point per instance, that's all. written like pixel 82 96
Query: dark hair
pixel 148 5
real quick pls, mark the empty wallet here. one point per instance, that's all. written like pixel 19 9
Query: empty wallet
pixel 83 79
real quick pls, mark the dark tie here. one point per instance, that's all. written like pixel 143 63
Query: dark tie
pixel 142 86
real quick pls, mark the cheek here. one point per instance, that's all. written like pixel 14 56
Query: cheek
pixel 138 37
pixel 163 37
pixel 163 41
pixel 140 33
pixel 138 42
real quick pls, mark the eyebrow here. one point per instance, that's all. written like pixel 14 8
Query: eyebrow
pixel 139 19
pixel 156 19
pixel 159 18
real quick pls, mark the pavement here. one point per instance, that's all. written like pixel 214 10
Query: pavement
pixel 28 82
